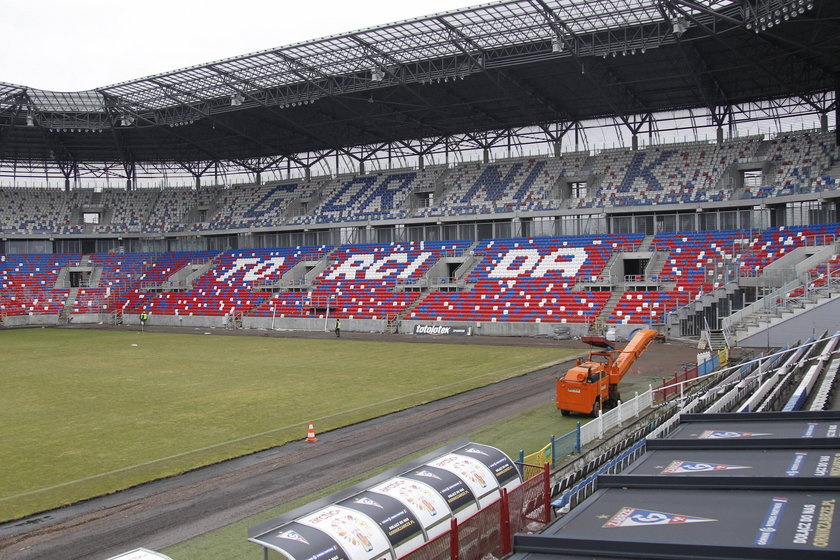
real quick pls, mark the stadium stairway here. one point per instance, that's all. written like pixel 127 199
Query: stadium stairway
pixel 794 300
pixel 645 244
pixel 609 306
pixel 716 340
pixel 64 314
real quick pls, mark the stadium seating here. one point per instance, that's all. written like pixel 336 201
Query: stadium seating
pixel 691 269
pixel 171 211
pixel 530 280
pixel 512 279
pixel 124 275
pixel 126 211
pixel 799 162
pixel 820 275
pixel 39 211
pixel 475 188
pixel 364 281
pixel 774 243
pixel 379 196
pixel 695 258
pixel 28 283
pixel 258 205
pixel 229 287
pixel 682 173
pixel 693 172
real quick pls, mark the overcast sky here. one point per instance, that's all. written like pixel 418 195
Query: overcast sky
pixel 76 45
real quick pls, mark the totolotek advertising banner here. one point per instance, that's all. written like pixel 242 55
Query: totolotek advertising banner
pixel 442 330
pixel 397 512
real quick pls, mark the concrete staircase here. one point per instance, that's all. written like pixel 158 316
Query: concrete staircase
pixel 716 340
pixel 791 299
pixel 609 306
pixel 754 325
pixel 646 243
pixel 64 314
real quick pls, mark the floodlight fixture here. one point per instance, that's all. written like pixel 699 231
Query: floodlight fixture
pixel 556 45
pixel 29 120
pixel 126 120
pixel 377 75
pixel 236 99
pixel 680 26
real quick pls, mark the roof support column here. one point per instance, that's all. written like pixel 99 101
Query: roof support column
pixel 556 136
pixel 836 109
pixel 719 115
pixel 635 125
pixel 68 169
pixel 130 169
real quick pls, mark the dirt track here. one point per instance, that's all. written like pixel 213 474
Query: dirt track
pixel 160 514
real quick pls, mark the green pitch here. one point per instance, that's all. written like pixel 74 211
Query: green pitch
pixel 84 413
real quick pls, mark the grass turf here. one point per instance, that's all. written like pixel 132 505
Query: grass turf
pixel 84 413
pixel 528 431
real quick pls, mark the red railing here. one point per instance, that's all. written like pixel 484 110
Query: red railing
pixel 671 387
pixel 490 531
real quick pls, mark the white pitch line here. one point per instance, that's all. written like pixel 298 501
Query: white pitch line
pixel 243 438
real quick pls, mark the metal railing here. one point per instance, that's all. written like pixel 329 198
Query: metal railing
pixel 768 304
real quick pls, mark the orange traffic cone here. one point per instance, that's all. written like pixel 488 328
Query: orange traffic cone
pixel 310 436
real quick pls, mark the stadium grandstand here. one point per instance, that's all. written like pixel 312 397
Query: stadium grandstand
pixel 539 168
pixel 531 167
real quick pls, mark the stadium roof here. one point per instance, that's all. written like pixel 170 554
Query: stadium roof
pixel 493 67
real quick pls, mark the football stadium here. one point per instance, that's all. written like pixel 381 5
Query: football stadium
pixel 538 279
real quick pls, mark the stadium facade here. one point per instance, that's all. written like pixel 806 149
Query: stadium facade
pixel 620 123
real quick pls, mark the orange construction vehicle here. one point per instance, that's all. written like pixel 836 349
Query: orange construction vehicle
pixel 593 383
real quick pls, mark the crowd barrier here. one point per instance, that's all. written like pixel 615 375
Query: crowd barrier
pixel 490 531
pixel 561 447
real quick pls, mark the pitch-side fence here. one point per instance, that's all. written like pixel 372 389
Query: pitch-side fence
pixel 526 508
pixel 559 448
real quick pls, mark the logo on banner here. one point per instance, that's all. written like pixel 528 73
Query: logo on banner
pixel 771 520
pixel 475 451
pixel 364 501
pixel 427 474
pixel 442 330
pixel 796 463
pixel 723 434
pixel 292 536
pixel 679 467
pixel 635 517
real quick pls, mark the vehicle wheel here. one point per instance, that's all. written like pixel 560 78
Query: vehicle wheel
pixel 596 406
pixel 565 412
